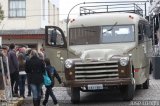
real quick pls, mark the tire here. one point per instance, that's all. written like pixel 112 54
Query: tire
pixel 146 84
pixel 75 95
pixel 139 86
pixel 128 91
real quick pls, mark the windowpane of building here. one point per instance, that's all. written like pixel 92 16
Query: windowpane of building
pixel 12 13
pixel 17 8
pixel 12 5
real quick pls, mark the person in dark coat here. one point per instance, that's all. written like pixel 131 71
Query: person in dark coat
pixel 13 67
pixel 35 69
pixel 51 73
pixel 28 83
pixel 2 86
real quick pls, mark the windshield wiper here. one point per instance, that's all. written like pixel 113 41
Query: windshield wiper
pixel 112 26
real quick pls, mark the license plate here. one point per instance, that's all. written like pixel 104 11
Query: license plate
pixel 95 87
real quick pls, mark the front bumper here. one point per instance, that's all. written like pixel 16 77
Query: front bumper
pixel 107 82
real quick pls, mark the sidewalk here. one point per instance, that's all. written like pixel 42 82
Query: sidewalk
pixel 60 93
pixel 16 101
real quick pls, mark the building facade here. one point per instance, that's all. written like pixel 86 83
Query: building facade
pixel 24 21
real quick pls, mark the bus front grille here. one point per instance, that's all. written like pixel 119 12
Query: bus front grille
pixel 96 70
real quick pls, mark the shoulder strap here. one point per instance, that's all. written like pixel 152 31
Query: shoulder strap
pixel 46 73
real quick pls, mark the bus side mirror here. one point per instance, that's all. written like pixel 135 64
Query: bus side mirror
pixel 54 37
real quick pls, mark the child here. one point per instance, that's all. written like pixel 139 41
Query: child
pixel 51 73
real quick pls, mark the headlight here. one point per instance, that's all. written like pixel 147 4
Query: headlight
pixel 124 61
pixel 68 63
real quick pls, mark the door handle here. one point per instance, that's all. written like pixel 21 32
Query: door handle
pixel 58 54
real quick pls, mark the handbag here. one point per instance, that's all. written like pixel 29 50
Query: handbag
pixel 47 81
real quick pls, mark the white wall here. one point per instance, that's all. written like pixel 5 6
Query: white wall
pixel 34 16
pixel 44 12
pixel 32 20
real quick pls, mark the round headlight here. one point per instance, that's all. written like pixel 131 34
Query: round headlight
pixel 68 63
pixel 124 61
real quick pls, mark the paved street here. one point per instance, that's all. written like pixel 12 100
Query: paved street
pixel 148 97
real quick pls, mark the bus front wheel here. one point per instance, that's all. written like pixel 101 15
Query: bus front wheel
pixel 75 95
pixel 128 91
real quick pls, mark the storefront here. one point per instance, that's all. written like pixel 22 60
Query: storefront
pixel 30 38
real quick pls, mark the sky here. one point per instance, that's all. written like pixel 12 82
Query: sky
pixel 66 5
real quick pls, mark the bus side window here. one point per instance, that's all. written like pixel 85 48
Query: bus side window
pixel 140 33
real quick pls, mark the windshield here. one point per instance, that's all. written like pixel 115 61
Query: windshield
pixel 101 34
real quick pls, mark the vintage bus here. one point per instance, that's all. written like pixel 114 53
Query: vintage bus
pixel 102 51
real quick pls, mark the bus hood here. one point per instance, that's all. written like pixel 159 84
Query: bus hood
pixel 101 51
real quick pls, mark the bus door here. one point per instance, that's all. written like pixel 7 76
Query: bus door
pixel 55 47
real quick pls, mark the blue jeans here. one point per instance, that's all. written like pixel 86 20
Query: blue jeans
pixel 29 87
pixel 48 93
pixel 36 91
pixel 14 82
pixel 22 79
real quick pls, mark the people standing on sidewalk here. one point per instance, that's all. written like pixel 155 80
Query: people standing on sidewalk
pixel 5 53
pixel 51 73
pixel 13 67
pixel 2 86
pixel 35 68
pixel 28 83
pixel 22 74
pixel 41 57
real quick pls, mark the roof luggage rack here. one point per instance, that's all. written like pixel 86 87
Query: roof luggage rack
pixel 109 7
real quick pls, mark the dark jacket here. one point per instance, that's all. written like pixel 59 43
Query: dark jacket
pixel 13 61
pixel 4 60
pixel 35 69
pixel 5 71
pixel 52 73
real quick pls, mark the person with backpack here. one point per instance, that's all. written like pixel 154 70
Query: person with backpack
pixel 51 71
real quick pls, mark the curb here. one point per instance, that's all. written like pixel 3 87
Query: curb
pixel 17 102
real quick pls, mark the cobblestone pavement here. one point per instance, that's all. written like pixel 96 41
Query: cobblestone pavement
pixel 143 97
